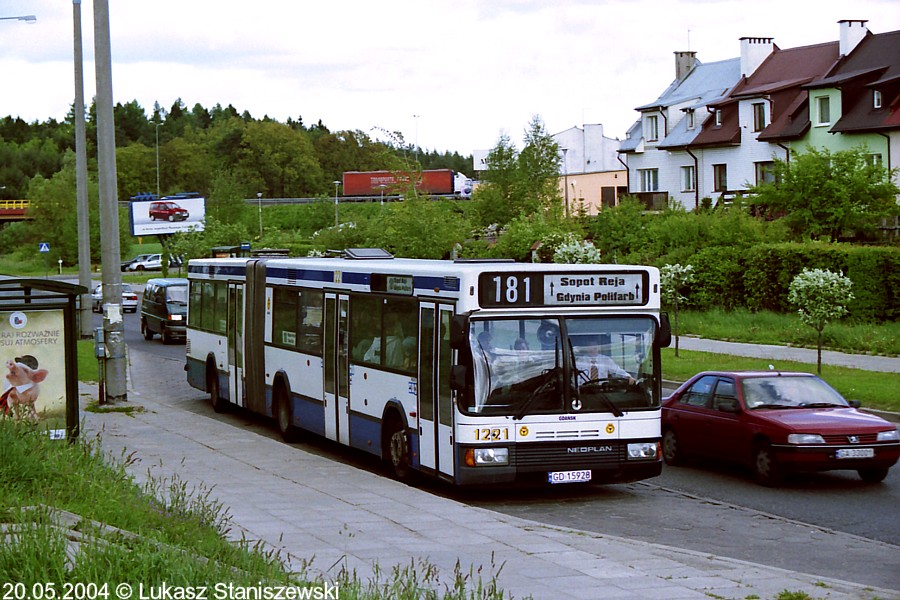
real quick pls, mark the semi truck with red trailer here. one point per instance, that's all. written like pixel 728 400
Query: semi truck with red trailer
pixel 374 183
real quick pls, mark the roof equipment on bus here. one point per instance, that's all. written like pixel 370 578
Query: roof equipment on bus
pixel 367 253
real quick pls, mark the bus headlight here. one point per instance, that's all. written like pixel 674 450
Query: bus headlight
pixel 643 450
pixel 479 457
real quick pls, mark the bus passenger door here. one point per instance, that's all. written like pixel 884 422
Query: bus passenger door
pixel 446 443
pixel 236 343
pixel 435 402
pixel 337 366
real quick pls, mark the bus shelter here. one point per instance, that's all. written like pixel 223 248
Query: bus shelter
pixel 38 352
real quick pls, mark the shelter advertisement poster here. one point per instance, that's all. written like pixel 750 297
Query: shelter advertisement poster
pixel 32 354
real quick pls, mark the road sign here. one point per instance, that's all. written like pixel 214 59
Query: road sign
pixel 44 247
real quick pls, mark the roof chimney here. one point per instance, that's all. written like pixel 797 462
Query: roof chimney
pixel 852 33
pixel 754 50
pixel 684 62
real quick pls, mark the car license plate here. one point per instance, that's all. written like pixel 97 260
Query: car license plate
pixel 569 476
pixel 856 453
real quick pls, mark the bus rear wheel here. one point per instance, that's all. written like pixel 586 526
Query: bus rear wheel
pixel 284 416
pixel 395 449
pixel 219 404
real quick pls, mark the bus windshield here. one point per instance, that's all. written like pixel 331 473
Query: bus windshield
pixel 565 365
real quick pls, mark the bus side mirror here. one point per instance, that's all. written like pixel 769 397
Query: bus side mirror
pixel 459 332
pixel 458 375
pixel 664 334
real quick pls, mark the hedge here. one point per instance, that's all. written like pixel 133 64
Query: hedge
pixel 757 277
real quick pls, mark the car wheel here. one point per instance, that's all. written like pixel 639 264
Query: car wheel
pixel 139 268
pixel 219 404
pixel 672 454
pixel 171 218
pixel 148 335
pixel 765 467
pixel 395 449
pixel 875 475
pixel 165 335
pixel 284 416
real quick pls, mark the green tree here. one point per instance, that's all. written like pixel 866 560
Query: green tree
pixel 520 183
pixel 822 194
pixel 821 296
pixel 673 279
pixel 576 251
pixel 280 160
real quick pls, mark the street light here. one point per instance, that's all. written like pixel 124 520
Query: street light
pixel 416 117
pixel 336 184
pixel 381 187
pixel 30 19
pixel 157 158
pixel 259 203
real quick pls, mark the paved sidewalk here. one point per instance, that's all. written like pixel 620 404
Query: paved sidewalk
pixel 885 364
pixel 311 507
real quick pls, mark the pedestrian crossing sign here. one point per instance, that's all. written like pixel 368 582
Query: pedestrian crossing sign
pixel 44 247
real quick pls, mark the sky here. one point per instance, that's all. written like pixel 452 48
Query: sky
pixel 448 75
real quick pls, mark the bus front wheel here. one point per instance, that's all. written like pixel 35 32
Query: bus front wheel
pixel 395 449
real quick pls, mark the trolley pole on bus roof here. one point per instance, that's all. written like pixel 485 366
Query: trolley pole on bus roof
pixel 113 317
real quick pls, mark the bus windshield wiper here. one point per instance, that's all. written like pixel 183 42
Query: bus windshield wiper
pixel 549 378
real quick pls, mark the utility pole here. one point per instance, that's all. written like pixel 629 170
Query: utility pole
pixel 113 321
pixel 81 192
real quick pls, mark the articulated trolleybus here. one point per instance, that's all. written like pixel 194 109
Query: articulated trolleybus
pixel 473 372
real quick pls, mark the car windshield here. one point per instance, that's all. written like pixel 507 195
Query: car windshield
pixel 177 294
pixel 789 392
pixel 540 366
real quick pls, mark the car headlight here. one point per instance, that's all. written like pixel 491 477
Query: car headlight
pixel 805 438
pixel 643 450
pixel 889 436
pixel 478 457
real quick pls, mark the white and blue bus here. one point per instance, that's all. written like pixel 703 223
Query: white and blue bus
pixel 474 372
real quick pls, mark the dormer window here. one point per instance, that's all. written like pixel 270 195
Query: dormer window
pixel 718 115
pixel 876 99
pixel 691 118
pixel 823 110
pixel 652 128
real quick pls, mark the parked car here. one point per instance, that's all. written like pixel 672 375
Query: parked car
pixel 149 262
pixel 167 211
pixel 164 309
pixel 775 423
pixel 139 258
pixel 129 298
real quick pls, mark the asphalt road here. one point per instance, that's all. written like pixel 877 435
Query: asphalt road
pixel 831 525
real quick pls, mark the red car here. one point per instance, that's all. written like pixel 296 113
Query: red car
pixel 167 211
pixel 775 423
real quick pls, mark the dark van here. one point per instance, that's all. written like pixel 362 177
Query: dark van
pixel 164 309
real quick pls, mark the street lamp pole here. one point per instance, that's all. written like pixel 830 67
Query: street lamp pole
pixel 259 204
pixel 336 184
pixel 157 159
pixel 416 117
pixel 81 191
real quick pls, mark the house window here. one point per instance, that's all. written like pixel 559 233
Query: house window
pixel 691 118
pixel 718 118
pixel 823 110
pixel 875 159
pixel 652 128
pixel 687 179
pixel 765 172
pixel 649 180
pixel 759 116
pixel 876 99
pixel 720 177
